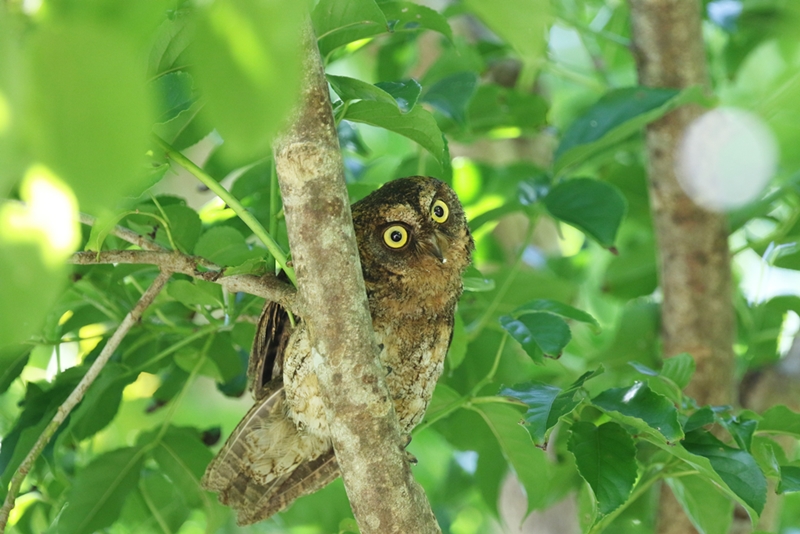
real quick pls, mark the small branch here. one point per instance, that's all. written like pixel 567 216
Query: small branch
pixel 232 203
pixel 126 235
pixel 267 286
pixel 80 390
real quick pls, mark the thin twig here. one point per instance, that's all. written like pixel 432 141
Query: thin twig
pixel 267 286
pixel 80 390
pixel 125 234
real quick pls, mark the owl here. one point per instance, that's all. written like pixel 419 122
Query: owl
pixel 414 244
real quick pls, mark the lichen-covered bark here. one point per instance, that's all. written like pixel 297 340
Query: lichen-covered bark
pixel 369 449
pixel 694 264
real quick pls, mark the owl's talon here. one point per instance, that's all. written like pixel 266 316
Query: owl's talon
pixel 410 458
pixel 405 440
pixel 389 370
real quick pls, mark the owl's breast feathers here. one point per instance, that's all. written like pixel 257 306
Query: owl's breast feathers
pixel 281 450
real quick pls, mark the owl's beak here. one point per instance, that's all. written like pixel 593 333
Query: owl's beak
pixel 437 246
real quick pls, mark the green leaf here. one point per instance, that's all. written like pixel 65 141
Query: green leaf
pixel 458 344
pixel 736 467
pixel 183 457
pixel 474 281
pixel 190 295
pixel 633 273
pixel 780 420
pixel 521 23
pixel 451 95
pixel 444 397
pixel 355 89
pixel 710 511
pixel 702 417
pixel 184 227
pixel 640 402
pixel 615 117
pixel 529 462
pixel 538 333
pixel 173 93
pixel 247 62
pixel 417 125
pixel 557 308
pixel 790 479
pixel 494 107
pixel 546 405
pixel 339 22
pixel 403 16
pixel 226 357
pixel 769 456
pixel 99 491
pixel 679 369
pixel 594 207
pixel 405 92
pixel 606 459
pixel 225 246
pixel 101 402
pixel 13 359
pixel 163 501
pixel 88 112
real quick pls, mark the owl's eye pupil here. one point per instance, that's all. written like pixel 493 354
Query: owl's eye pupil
pixel 438 211
pixel 396 236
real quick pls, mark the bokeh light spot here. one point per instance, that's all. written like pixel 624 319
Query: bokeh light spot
pixel 726 158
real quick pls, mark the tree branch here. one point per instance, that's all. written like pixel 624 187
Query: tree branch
pixel 80 390
pixel 369 449
pixel 125 234
pixel 267 286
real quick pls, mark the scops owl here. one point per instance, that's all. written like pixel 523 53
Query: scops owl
pixel 414 244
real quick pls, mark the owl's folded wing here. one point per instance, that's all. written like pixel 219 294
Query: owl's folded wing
pixel 266 357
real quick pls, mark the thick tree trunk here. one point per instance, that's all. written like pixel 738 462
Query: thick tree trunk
pixel 694 269
pixel 369 449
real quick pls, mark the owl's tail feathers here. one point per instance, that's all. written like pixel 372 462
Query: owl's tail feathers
pixel 266 463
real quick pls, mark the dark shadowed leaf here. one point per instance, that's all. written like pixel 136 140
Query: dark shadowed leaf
pixel 592 206
pixel 190 295
pixel 643 403
pixel 702 417
pixel 606 459
pixel 99 491
pixel 101 402
pixel 183 457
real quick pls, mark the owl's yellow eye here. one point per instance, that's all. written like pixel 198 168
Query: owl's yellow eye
pixel 440 211
pixel 395 236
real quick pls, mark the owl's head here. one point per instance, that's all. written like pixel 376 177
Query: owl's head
pixel 413 225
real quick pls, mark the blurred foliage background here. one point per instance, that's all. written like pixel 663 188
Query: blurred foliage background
pixel 530 109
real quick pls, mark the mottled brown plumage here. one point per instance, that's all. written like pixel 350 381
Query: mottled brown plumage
pixel 414 244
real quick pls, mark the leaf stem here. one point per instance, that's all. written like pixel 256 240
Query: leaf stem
pixel 232 203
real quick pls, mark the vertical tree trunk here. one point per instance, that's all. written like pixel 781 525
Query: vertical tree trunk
pixel 366 438
pixel 694 263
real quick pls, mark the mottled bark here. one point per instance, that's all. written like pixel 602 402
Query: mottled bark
pixel 369 449
pixel 694 263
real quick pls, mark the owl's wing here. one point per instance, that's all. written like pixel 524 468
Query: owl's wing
pixel 266 358
pixel 264 465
